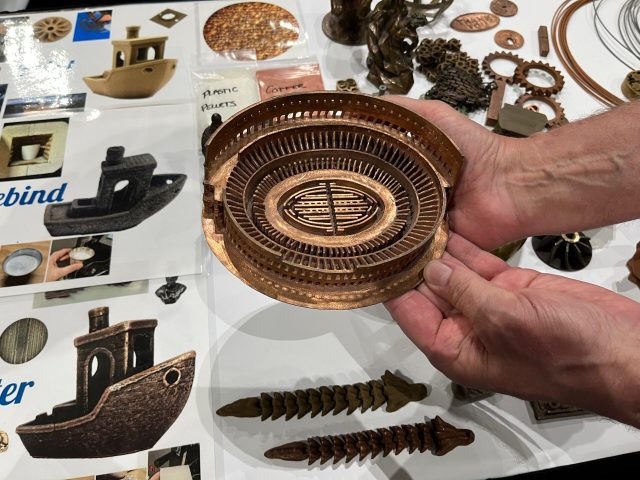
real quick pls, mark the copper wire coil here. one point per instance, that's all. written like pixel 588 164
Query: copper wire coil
pixel 326 199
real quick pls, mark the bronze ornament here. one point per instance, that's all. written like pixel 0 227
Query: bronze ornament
pixel 504 8
pixel 475 22
pixel 509 39
pixel 346 23
pixel 437 436
pixel 328 200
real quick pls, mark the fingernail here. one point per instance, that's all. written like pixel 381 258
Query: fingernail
pixel 437 273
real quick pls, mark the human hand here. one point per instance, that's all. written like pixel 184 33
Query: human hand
pixel 487 325
pixel 54 272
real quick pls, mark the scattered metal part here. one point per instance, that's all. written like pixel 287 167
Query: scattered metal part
pixel 390 40
pixel 631 85
pixel 314 227
pixel 508 250
pixel 495 104
pixel 382 89
pixel 522 70
pixel 546 410
pixel 51 29
pixel 468 394
pixel 346 23
pixel 634 266
pixel 348 85
pixel 488 60
pixel 475 22
pixel 391 389
pixel 558 119
pixel 509 39
pixel 461 89
pixel 504 8
pixel 543 41
pixel 433 55
pixel 519 122
pixel 171 291
pixel 168 17
pixel 216 121
pixel 23 340
pixel 568 252
pixel 4 441
pixel 421 14
pixel 437 436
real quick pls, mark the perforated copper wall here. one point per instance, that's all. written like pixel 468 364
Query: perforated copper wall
pixel 328 200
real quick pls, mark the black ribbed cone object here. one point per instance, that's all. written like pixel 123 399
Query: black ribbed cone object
pixel 568 252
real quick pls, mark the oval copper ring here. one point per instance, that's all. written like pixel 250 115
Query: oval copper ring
pixel 328 200
pixel 509 39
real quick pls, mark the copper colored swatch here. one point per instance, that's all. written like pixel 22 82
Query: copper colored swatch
pixel 294 79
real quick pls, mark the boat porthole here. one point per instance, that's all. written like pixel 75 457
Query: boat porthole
pixel 171 377
pixel 148 70
pixel 23 340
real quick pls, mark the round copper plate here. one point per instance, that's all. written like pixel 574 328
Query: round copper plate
pixel 475 22
pixel 509 39
pixel 504 8
pixel 328 200
pixel 267 29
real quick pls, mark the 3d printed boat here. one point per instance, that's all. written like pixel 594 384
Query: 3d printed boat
pixel 114 209
pixel 138 68
pixel 124 403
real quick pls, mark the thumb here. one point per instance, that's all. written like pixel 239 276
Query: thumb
pixel 467 292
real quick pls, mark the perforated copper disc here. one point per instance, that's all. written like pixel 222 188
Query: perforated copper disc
pixel 326 199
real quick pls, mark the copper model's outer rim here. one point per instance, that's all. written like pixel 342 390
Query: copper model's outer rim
pixel 435 150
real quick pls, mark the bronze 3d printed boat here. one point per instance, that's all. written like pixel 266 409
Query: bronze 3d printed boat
pixel 138 69
pixel 328 199
pixel 114 209
pixel 124 403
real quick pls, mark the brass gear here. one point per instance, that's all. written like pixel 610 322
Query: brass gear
pixel 522 70
pixel 559 118
pixel 51 29
pixel 488 60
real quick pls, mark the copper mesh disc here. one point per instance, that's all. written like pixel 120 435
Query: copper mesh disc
pixel 268 29
pixel 326 199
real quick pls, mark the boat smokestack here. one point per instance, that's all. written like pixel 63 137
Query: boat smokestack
pixel 114 155
pixel 133 31
pixel 98 319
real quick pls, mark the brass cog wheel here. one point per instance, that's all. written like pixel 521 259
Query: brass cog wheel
pixel 522 70
pixel 51 29
pixel 488 60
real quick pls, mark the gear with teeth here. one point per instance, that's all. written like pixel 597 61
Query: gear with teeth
pixel 522 71
pixel 559 118
pixel 489 59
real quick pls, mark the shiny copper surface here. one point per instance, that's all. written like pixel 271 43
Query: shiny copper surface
pixel 509 39
pixel 504 8
pixel 475 22
pixel 328 200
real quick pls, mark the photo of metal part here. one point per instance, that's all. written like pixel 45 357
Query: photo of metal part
pixel 504 8
pixel 568 252
pixel 347 85
pixel 475 22
pixel 346 23
pixel 522 72
pixel 509 39
pixel 437 436
pixel 557 120
pixel 511 57
pixel 311 198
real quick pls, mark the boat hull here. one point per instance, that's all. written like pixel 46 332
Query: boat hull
pixel 58 221
pixel 141 80
pixel 130 416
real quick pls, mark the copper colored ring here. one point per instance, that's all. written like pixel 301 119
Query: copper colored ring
pixel 328 200
pixel 488 60
pixel 522 70
pixel 557 120
pixel 504 8
pixel 509 39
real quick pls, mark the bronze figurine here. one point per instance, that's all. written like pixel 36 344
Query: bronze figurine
pixel 391 389
pixel 437 436
pixel 346 23
pixel 391 39
pixel 328 200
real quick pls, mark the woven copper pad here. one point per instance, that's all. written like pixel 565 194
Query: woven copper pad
pixel 268 29
pixel 326 199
